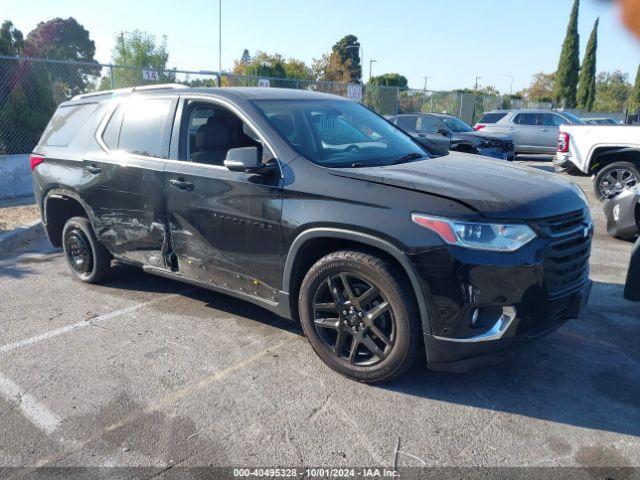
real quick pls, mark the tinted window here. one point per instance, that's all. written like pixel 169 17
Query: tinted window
pixel 338 133
pixel 144 126
pixel 112 130
pixel 551 120
pixel 456 124
pixel 65 123
pixel 526 119
pixel 492 117
pixel 430 125
pixel 407 123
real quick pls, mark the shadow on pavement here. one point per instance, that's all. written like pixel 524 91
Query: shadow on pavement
pixel 586 374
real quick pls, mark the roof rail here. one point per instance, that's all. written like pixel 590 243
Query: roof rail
pixel 102 93
pixel 162 86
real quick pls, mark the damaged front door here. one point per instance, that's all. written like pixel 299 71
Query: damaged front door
pixel 125 181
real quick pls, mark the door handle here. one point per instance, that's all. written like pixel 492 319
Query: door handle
pixel 181 184
pixel 93 169
pixel 544 129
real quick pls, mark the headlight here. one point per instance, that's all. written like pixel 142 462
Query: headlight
pixel 480 236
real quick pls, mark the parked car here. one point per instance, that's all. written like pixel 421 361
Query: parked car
pixel 611 155
pixel 533 131
pixel 318 209
pixel 600 121
pixel 451 133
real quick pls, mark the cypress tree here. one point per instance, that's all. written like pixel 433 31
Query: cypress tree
pixel 569 64
pixel 634 103
pixel 587 82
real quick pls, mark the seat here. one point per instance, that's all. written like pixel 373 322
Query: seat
pixel 213 140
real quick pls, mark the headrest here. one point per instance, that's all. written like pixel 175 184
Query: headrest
pixel 216 134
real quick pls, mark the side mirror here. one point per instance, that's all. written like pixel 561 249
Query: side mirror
pixel 443 131
pixel 246 159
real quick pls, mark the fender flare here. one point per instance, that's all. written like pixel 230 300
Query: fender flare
pixel 64 192
pixel 387 247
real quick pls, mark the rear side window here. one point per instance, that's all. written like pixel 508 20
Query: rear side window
pixel 551 120
pixel 492 117
pixel 526 119
pixel 407 122
pixel 65 123
pixel 112 131
pixel 144 126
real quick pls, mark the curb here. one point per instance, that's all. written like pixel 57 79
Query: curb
pixel 10 239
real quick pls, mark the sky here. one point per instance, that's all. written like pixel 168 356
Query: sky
pixel 452 41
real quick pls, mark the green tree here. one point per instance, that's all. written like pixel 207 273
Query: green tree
pixel 587 81
pixel 542 88
pixel 569 63
pixel 11 40
pixel 634 101
pixel 137 51
pixel 342 64
pixel 64 39
pixel 26 102
pixel 390 80
pixel 613 92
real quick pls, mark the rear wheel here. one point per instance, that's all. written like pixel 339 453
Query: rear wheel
pixel 614 179
pixel 87 258
pixel 359 316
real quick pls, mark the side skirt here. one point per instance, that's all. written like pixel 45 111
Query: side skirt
pixel 279 307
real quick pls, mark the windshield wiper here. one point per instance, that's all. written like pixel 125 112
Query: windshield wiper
pixel 408 158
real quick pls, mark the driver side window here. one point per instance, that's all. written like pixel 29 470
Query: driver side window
pixel 210 131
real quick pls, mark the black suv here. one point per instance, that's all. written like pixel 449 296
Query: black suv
pixel 318 209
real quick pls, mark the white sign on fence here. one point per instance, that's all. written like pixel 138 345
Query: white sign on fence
pixel 264 83
pixel 148 74
pixel 354 92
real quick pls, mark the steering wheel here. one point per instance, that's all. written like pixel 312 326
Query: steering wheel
pixel 352 147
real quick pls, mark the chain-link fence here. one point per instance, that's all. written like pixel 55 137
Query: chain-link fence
pixel 30 90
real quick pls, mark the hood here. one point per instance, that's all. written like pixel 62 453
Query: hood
pixel 501 137
pixel 495 189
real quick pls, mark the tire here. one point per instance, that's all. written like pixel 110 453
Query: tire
pixel 361 320
pixel 626 173
pixel 87 258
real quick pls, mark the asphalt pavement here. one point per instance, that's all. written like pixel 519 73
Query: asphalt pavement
pixel 144 371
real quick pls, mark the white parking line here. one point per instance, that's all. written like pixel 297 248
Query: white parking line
pixel 35 411
pixel 99 319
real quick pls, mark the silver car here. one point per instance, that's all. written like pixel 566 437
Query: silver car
pixel 533 131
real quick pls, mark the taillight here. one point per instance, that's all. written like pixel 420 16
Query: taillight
pixel 35 160
pixel 478 126
pixel 563 142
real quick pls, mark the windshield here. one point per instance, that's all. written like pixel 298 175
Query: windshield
pixel 575 120
pixel 339 133
pixel 456 124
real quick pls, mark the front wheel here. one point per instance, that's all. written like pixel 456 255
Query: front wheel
pixel 614 179
pixel 360 317
pixel 87 258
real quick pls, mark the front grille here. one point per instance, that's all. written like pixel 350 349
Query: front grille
pixel 566 263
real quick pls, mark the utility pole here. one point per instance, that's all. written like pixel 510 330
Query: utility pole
pixel 426 78
pixel 511 77
pixel 124 51
pixel 371 62
pixel 219 40
pixel 476 87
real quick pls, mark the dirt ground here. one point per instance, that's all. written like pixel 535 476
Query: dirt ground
pixel 12 217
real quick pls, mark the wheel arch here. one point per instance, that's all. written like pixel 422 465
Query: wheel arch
pixel 58 206
pixel 606 155
pixel 313 244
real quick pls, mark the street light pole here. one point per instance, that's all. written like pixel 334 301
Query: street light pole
pixel 426 78
pixel 219 40
pixel 371 62
pixel 476 87
pixel 511 77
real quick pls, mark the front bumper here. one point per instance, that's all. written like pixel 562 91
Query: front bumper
pixel 455 356
pixel 484 303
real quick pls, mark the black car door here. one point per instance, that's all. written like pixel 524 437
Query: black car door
pixel 125 186
pixel 224 225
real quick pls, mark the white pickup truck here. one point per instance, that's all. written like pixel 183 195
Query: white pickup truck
pixel 610 153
